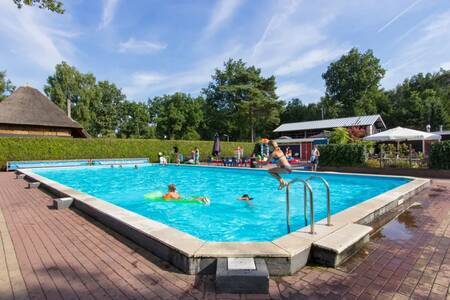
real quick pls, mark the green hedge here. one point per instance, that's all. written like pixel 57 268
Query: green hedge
pixel 440 155
pixel 12 149
pixel 342 155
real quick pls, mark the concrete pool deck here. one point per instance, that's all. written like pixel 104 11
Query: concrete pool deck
pixel 283 256
pixel 65 254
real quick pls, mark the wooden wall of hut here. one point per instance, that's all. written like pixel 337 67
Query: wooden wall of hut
pixel 23 130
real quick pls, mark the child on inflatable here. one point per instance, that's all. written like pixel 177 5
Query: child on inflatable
pixel 172 194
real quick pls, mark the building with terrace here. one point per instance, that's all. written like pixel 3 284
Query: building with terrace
pixel 301 136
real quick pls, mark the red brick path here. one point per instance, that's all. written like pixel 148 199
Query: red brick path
pixel 66 255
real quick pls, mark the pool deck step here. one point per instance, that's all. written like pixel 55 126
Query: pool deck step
pixel 33 185
pixel 61 203
pixel 336 247
pixel 242 275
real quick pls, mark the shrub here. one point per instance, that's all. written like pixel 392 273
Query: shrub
pixel 342 155
pixel 372 163
pixel 339 135
pixel 12 149
pixel 440 155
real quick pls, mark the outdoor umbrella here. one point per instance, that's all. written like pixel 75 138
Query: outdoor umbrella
pixel 216 146
pixel 399 134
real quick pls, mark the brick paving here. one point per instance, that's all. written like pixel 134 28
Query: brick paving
pixel 64 254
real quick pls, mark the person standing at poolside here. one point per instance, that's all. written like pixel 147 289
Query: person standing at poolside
pixel 196 155
pixel 177 155
pixel 162 159
pixel 315 158
pixel 283 165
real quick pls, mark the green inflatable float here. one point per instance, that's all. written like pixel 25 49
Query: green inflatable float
pixel 158 197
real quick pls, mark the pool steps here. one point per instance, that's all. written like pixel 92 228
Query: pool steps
pixel 242 275
pixel 335 248
pixel 283 256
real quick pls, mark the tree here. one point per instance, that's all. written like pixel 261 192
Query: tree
pixel 240 102
pixel 52 5
pixel 134 120
pixel 177 116
pixel 106 110
pixel 69 86
pixel 296 111
pixel 353 82
pixel 420 100
pixel 6 86
pixel 434 113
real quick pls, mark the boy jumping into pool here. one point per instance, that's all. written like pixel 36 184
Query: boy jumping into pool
pixel 172 194
pixel 283 165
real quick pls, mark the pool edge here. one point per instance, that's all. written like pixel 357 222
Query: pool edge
pixel 283 256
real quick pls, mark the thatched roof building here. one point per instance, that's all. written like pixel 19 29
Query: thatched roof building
pixel 27 112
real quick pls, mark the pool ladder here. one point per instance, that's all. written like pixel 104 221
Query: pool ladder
pixel 307 188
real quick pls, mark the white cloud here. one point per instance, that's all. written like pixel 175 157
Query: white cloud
pixel 141 46
pixel 141 81
pixel 285 38
pixel 290 89
pixel 147 78
pixel 423 52
pixel 223 11
pixel 148 84
pixel 32 36
pixel 396 17
pixel 109 10
pixel 446 65
pixel 310 60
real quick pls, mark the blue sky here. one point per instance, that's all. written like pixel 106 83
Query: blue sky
pixel 150 47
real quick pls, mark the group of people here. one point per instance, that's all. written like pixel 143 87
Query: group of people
pixel 282 167
pixel 195 157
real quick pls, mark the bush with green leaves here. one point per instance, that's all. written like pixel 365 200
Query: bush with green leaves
pixel 440 155
pixel 340 135
pixel 342 155
pixel 19 149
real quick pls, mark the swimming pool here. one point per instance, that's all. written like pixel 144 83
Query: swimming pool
pixel 226 219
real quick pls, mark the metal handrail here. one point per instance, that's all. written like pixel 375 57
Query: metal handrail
pixel 328 196
pixel 306 185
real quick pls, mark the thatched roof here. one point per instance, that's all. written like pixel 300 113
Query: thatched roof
pixel 28 106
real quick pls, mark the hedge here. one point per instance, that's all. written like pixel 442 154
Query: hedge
pixel 12 149
pixel 342 155
pixel 439 157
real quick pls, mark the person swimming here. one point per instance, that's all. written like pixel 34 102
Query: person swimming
pixel 283 165
pixel 245 197
pixel 172 194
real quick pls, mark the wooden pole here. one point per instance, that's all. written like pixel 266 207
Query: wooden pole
pixel 410 155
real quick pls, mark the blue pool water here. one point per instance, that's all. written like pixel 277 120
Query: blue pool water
pixel 226 219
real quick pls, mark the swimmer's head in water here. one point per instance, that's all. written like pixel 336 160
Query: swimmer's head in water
pixel 247 197
pixel 172 187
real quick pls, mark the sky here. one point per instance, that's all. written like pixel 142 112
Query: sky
pixel 149 48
